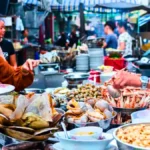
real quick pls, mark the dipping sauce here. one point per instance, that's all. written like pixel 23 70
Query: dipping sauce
pixel 84 133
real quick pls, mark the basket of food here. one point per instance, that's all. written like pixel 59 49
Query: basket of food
pixel 114 53
pixel 133 136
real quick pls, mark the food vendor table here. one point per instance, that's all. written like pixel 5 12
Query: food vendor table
pixel 116 63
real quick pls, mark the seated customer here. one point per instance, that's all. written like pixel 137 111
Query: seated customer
pixel 21 77
pixel 125 40
pixel 111 38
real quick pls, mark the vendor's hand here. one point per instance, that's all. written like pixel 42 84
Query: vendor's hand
pixel 30 64
pixel 123 79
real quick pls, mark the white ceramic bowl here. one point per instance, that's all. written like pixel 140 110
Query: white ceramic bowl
pixel 106 76
pixel 86 133
pixel 142 116
pixel 70 144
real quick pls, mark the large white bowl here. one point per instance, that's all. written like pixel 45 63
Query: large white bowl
pixel 69 144
pixel 96 133
pixel 125 146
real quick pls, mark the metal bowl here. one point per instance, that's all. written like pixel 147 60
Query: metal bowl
pixel 76 76
pixel 128 111
pixel 125 146
pixel 34 90
pixel 104 124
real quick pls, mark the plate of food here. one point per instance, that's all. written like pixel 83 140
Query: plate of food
pixel 82 114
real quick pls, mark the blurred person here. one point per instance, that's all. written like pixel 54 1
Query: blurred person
pixel 28 39
pixel 25 34
pixel 111 38
pixel 116 29
pixel 125 40
pixel 73 39
pixel 62 40
pixel 7 47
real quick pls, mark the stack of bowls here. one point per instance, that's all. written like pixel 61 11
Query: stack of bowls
pixel 96 57
pixel 82 62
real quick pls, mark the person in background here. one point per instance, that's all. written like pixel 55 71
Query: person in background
pixel 62 40
pixel 28 39
pixel 111 38
pixel 7 47
pixel 125 40
pixel 116 29
pixel 25 34
pixel 73 39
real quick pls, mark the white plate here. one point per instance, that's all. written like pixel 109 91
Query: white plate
pixel 111 146
pixel 6 88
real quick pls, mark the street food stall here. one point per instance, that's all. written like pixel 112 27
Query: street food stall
pixel 73 104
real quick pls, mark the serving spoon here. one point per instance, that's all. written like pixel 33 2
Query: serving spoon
pixel 65 131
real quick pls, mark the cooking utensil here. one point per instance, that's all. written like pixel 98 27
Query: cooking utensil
pixel 65 131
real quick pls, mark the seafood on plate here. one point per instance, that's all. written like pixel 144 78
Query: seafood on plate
pixel 81 112
pixel 87 92
pixel 29 117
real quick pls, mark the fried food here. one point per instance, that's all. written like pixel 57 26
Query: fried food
pixel 34 121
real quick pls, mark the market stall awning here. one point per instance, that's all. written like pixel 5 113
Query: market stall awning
pixel 144 19
pixel 51 3
pixel 119 4
pixel 72 5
